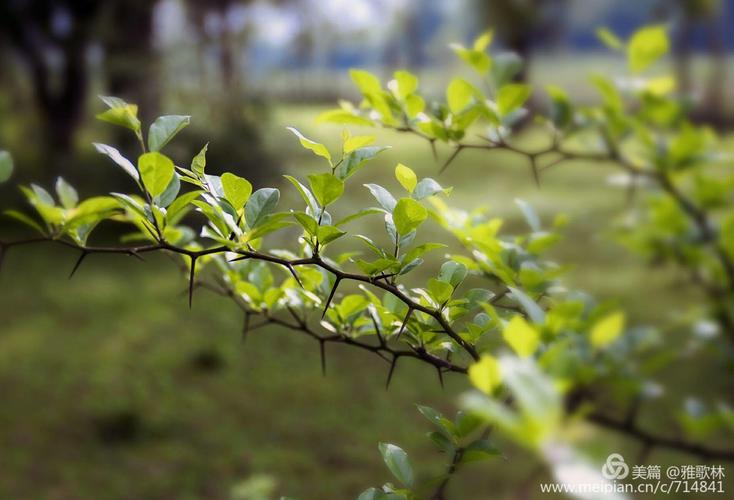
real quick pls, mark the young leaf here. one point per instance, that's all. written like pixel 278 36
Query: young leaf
pixel 66 193
pixel 607 329
pixel 366 82
pixel 326 188
pixel 512 96
pixel 164 128
pixel 646 46
pixel 120 113
pixel 407 83
pixel 383 196
pixel 397 461
pixel 260 205
pixel 356 142
pixel 459 94
pixel 6 165
pixel 408 215
pixel 521 336
pixel 406 177
pixel 236 190
pixel 609 39
pixel 198 163
pixel 316 147
pixel 115 156
pixel 485 374
pixel 453 273
pixel 156 171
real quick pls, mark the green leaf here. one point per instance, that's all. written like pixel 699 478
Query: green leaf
pixel 120 113
pixel 260 205
pixel 327 234
pixel 236 190
pixel 646 46
pixel 481 449
pixel 344 117
pixel 408 215
pixel 304 192
pixel 609 39
pixel 485 374
pixel 326 188
pixel 482 41
pixel 406 177
pixel 180 204
pixel 21 217
pixel 357 215
pixel 397 461
pixel 435 417
pixel 383 196
pixel 477 59
pixel 521 336
pixel 366 82
pixel 440 290
pixel 316 147
pixel 459 94
pixel 428 187
pixel 66 193
pixel 356 159
pixel 407 83
pixel 164 128
pixel 511 97
pixel 6 165
pixel 156 171
pixel 535 312
pixel 115 156
pixel 453 273
pixel 356 142
pixel 607 329
pixel 198 163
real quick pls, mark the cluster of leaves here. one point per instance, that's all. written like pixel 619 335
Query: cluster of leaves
pixel 494 306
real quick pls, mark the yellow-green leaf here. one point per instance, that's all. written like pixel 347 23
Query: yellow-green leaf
pixel 316 147
pixel 358 141
pixel 607 329
pixel 521 336
pixel 485 374
pixel 406 177
pixel 408 215
pixel 512 96
pixel 459 94
pixel 236 190
pixel 156 171
pixel 483 41
pixel 646 46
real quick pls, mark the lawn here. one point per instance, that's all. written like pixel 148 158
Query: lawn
pixel 112 388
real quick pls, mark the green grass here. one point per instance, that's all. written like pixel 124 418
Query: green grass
pixel 82 359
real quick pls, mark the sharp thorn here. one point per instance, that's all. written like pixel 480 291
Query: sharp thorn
pixel 392 370
pixel 331 296
pixel 245 327
pixel 440 376
pixel 135 254
pixel 433 149
pixel 78 263
pixel 295 275
pixel 536 174
pixel 450 159
pixel 405 322
pixel 244 257
pixel 322 352
pixel 192 274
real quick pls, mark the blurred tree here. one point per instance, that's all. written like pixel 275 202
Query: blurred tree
pixel 687 16
pixel 522 25
pixel 52 37
pixel 126 32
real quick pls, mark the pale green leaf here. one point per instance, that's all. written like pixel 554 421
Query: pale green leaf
pixel 156 172
pixel 164 128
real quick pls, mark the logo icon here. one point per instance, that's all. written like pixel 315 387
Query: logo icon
pixel 615 467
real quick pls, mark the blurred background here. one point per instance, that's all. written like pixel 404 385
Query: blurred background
pixel 111 388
